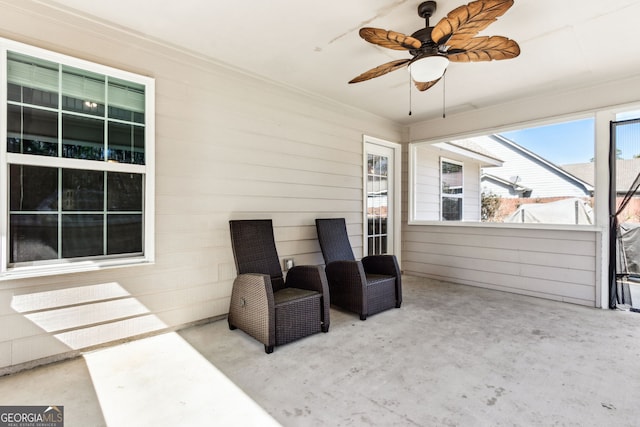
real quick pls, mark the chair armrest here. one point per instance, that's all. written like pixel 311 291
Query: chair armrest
pixel 381 264
pixel 252 307
pixel 387 265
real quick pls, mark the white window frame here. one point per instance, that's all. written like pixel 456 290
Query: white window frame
pixel 601 117
pixel 451 196
pixel 147 170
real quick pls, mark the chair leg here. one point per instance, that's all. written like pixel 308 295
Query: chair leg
pixel 325 328
pixel 268 349
pixel 232 327
pixel 363 317
pixel 398 304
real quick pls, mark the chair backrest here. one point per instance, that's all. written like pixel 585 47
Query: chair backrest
pixel 254 249
pixel 334 240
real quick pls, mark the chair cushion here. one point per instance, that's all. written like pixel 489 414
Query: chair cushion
pixel 373 279
pixel 288 295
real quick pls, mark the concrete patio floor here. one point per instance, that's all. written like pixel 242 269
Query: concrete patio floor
pixel 451 356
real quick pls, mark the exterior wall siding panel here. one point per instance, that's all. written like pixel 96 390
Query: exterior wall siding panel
pixel 558 265
pixel 228 146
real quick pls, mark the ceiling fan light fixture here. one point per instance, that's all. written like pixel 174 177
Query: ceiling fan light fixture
pixel 428 68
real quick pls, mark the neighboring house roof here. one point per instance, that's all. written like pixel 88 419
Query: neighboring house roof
pixel 470 149
pixel 626 172
pixel 544 161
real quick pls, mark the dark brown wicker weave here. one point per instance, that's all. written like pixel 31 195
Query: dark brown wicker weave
pixel 365 287
pixel 263 304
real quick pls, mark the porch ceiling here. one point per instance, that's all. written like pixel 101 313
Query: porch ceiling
pixel 314 46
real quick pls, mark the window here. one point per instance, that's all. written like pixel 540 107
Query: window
pixel 543 175
pixel 78 159
pixel 451 179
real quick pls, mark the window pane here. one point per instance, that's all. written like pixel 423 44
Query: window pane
pixel 126 101
pixel 82 235
pixel 33 188
pixel 83 91
pixel 32 80
pixel 126 143
pixel 451 209
pixel 31 96
pixel 82 190
pixel 33 237
pixel 32 131
pixel 451 178
pixel 124 192
pixel 124 234
pixel 83 138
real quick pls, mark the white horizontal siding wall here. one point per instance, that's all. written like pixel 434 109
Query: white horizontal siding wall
pixel 427 184
pixel 471 192
pixel 228 146
pixel 553 264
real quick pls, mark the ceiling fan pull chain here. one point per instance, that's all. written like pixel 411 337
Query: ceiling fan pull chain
pixel 444 90
pixel 409 94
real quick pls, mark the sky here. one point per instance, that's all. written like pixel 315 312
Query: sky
pixel 573 141
pixel 563 143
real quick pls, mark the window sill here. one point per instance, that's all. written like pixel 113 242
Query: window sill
pixel 504 225
pixel 75 267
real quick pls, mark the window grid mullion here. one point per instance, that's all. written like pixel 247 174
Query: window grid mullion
pixel 104 213
pixel 59 209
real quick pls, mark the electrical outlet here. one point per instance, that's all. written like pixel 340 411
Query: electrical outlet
pixel 288 264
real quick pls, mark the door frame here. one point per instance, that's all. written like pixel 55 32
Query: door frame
pixel 394 185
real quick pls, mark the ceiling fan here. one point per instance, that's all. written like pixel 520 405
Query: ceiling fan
pixel 453 39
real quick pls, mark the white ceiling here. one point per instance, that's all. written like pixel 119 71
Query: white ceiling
pixel 314 46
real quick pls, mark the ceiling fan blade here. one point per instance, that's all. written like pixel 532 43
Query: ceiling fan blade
pixel 422 86
pixel 466 21
pixel 494 48
pixel 389 39
pixel 380 70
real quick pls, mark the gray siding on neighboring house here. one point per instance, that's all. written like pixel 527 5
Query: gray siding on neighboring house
pixel 227 146
pixel 543 178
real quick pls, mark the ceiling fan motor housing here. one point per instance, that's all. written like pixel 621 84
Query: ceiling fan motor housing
pixel 426 9
pixel 428 47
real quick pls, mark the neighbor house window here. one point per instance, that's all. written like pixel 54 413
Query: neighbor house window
pixel 451 184
pixel 78 159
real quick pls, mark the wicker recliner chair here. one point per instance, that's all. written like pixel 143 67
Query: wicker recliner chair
pixel 365 287
pixel 263 304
